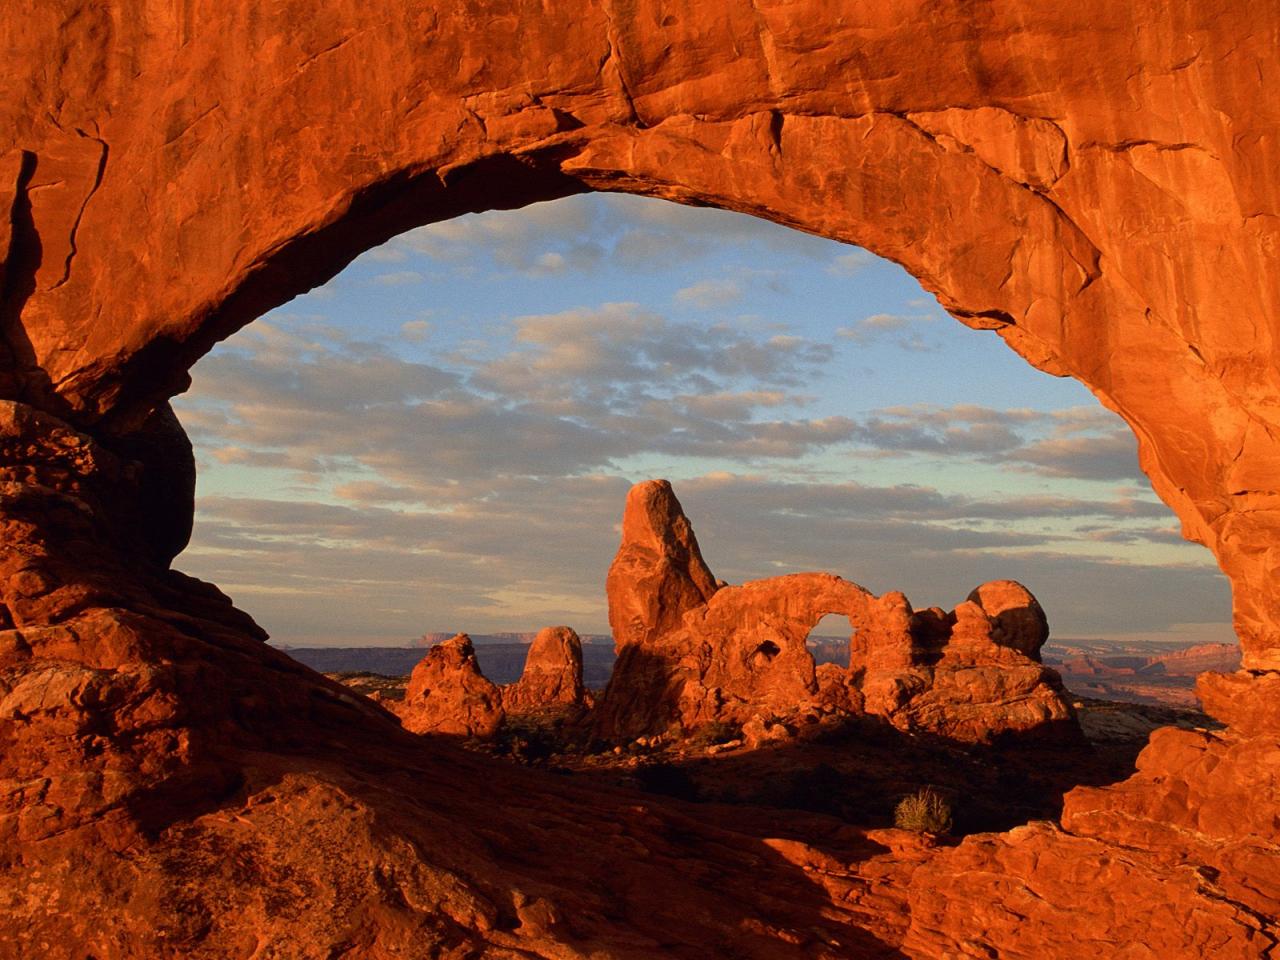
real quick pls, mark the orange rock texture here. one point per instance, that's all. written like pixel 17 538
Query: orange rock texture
pixel 447 693
pixel 971 675
pixel 552 674
pixel 1093 181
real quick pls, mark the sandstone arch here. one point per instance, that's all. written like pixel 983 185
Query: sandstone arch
pixel 1094 181
pixel 1077 204
pixel 693 650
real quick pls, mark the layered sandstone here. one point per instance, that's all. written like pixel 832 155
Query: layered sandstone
pixel 552 674
pixel 1093 188
pixel 1092 181
pixel 970 675
pixel 448 693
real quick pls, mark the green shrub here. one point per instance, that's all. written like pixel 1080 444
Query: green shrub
pixel 925 811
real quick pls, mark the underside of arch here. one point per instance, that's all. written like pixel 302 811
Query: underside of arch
pixel 1094 182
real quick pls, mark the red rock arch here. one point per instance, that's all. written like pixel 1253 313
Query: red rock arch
pixel 1111 216
pixel 1094 181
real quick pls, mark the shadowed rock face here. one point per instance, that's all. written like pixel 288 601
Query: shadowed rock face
pixel 447 693
pixel 1017 620
pixel 1092 181
pixel 969 675
pixel 552 673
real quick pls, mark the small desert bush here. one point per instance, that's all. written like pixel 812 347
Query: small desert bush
pixel 925 811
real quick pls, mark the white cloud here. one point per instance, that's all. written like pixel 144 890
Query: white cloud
pixel 415 331
pixel 894 328
pixel 399 278
pixel 1082 443
pixel 855 261
pixel 581 234
pixel 708 294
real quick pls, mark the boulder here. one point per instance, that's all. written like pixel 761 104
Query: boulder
pixel 552 673
pixel 448 694
pixel 1017 621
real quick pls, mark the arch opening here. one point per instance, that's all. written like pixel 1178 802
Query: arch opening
pixel 357 389
pixel 831 639
pixel 1114 229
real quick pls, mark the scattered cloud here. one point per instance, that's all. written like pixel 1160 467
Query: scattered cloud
pixel 580 235
pixel 888 327
pixel 415 331
pixel 709 294
pixel 855 261
pixel 1089 444
pixel 399 278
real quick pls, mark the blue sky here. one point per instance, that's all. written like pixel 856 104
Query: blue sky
pixel 441 438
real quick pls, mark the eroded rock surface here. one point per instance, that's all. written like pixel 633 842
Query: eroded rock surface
pixel 969 675
pixel 447 693
pixel 1092 181
pixel 552 673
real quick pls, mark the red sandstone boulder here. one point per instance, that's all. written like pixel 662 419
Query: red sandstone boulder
pixel 447 693
pixel 1017 619
pixel 552 673
pixel 976 673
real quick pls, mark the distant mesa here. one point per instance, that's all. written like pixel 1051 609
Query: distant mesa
pixel 1140 672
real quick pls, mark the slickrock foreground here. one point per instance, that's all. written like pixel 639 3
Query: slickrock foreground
pixel 971 675
pixel 1093 181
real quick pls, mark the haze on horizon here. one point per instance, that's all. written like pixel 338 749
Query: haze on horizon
pixel 441 438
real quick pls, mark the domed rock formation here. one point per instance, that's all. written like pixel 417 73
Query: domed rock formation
pixel 1094 182
pixel 742 651
pixel 552 673
pixel 1017 620
pixel 447 693
pixel 974 674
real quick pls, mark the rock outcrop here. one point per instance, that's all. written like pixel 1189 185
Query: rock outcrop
pixel 1094 182
pixel 447 693
pixel 974 674
pixel 728 655
pixel 552 673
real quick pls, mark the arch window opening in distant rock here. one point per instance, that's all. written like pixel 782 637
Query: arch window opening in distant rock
pixel 830 640
pixel 440 439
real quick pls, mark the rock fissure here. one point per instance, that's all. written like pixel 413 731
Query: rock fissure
pixel 93 189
